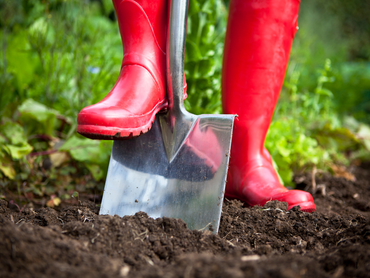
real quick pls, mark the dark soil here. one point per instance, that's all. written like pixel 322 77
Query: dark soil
pixel 264 241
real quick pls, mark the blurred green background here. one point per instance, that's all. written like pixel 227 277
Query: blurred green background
pixel 58 56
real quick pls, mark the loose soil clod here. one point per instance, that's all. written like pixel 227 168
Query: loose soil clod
pixel 264 241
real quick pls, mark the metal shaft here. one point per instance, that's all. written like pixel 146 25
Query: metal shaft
pixel 176 54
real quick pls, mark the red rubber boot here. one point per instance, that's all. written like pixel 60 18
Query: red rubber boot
pixel 140 91
pixel 258 42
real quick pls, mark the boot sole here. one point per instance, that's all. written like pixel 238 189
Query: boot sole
pixel 118 133
pixel 305 206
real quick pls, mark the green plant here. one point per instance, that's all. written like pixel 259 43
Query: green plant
pixel 65 65
pixel 203 56
pixel 38 159
pixel 306 130
pixel 13 146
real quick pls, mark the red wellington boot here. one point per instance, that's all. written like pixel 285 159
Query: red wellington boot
pixel 257 47
pixel 140 91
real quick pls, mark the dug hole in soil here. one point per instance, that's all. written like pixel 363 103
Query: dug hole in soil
pixel 264 241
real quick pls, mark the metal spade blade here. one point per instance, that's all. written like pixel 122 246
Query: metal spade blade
pixel 178 169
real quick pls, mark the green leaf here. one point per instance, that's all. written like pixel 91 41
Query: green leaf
pixel 192 51
pixel 206 68
pixel 96 171
pixel 364 135
pixel 14 133
pixel 323 79
pixel 81 149
pixel 281 145
pixel 74 194
pixel 39 27
pixel 17 152
pixel 20 60
pixel 37 191
pixel 6 166
pixel 37 118
pixel 16 144
pixel 94 154
pixel 325 92
pixel 336 138
pixel 193 7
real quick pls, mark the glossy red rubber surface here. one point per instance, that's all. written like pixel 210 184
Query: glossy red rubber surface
pixel 258 42
pixel 140 91
pixel 203 143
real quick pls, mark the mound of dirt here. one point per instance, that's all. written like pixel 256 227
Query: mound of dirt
pixel 264 241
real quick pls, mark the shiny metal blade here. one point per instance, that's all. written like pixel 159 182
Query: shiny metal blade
pixel 190 186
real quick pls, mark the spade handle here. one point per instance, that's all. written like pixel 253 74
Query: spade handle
pixel 176 55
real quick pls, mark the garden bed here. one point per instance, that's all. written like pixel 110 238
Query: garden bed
pixel 269 241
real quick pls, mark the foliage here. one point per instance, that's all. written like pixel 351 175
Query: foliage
pixel 318 40
pixel 204 46
pixel 354 22
pixel 352 87
pixel 13 145
pixel 52 53
pixel 36 153
pixel 306 131
pixel 94 154
pixel 65 64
